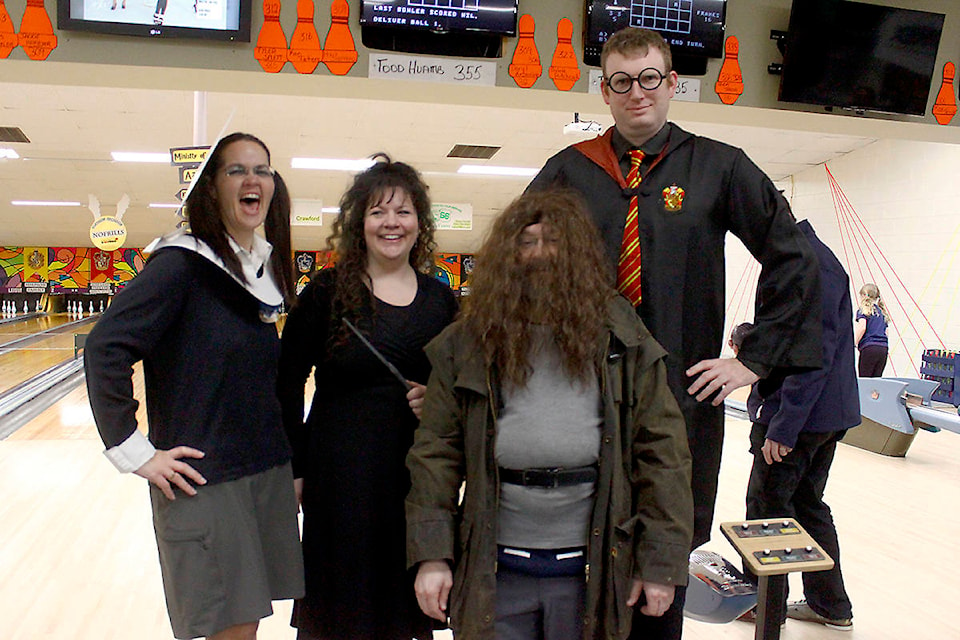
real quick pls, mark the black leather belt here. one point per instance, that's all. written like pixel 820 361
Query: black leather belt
pixel 550 478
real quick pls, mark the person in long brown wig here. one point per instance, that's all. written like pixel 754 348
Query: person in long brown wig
pixel 565 286
pixel 549 398
pixel 349 453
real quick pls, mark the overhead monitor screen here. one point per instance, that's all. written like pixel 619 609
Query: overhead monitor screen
pixel 494 16
pixel 692 27
pixel 210 19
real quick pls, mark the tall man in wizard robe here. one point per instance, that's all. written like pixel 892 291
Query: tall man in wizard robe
pixel 664 200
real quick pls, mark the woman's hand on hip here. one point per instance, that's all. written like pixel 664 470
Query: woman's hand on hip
pixel 166 470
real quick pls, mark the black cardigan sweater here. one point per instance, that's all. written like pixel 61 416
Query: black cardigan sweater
pixel 209 361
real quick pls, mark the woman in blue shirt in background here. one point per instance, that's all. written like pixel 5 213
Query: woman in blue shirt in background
pixel 870 332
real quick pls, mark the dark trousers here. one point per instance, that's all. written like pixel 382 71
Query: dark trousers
pixel 669 626
pixel 532 608
pixel 794 488
pixel 873 359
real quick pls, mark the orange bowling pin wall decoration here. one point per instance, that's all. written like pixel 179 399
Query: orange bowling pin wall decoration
pixel 271 49
pixel 305 52
pixel 36 33
pixel 525 66
pixel 339 49
pixel 8 35
pixel 729 84
pixel 564 70
pixel 945 106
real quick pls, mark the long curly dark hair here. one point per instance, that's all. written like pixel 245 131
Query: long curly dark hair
pixel 206 223
pixel 568 291
pixel 379 183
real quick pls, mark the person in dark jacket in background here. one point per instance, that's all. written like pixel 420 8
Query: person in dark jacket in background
pixel 793 439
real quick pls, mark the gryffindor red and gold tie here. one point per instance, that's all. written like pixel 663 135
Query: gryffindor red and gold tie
pixel 628 266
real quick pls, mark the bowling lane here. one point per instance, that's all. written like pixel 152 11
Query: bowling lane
pixel 70 417
pixel 23 362
pixel 13 329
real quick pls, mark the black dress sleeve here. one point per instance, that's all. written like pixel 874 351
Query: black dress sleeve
pixel 302 346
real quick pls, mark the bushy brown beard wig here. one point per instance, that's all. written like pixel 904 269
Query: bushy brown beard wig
pixel 567 289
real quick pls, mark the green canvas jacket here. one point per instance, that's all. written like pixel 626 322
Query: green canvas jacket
pixel 642 520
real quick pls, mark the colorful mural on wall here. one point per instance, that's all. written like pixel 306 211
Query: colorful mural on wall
pixel 449 267
pixel 70 269
pixel 61 270
pixel 11 268
pixel 86 270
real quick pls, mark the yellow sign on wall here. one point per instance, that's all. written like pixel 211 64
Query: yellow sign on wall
pixel 108 233
pixel 188 155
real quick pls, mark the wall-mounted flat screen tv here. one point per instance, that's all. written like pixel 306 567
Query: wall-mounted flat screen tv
pixel 860 56
pixel 694 28
pixel 487 16
pixel 207 19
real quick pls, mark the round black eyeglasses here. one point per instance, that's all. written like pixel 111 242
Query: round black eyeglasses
pixel 621 81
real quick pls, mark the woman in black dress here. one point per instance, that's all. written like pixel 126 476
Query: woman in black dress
pixel 349 453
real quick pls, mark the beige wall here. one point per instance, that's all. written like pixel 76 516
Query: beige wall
pixel 905 194
pixel 749 20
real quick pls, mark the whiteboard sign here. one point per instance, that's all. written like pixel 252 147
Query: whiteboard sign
pixel 688 90
pixel 445 70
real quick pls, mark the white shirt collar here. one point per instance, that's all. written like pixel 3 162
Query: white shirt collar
pixel 259 253
pixel 255 265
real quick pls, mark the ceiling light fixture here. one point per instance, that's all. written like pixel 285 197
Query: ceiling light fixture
pixel 332 164
pixel 6 152
pixel 43 203
pixel 330 210
pixel 133 156
pixel 491 170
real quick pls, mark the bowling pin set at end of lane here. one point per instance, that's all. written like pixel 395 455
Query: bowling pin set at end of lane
pixel 9 309
pixel 75 309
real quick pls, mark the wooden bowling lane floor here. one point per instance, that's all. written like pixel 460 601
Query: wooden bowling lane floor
pixel 78 558
pixel 12 328
pixel 21 362
pixel 16 328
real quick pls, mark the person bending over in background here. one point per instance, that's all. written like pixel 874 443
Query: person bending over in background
pixel 793 440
